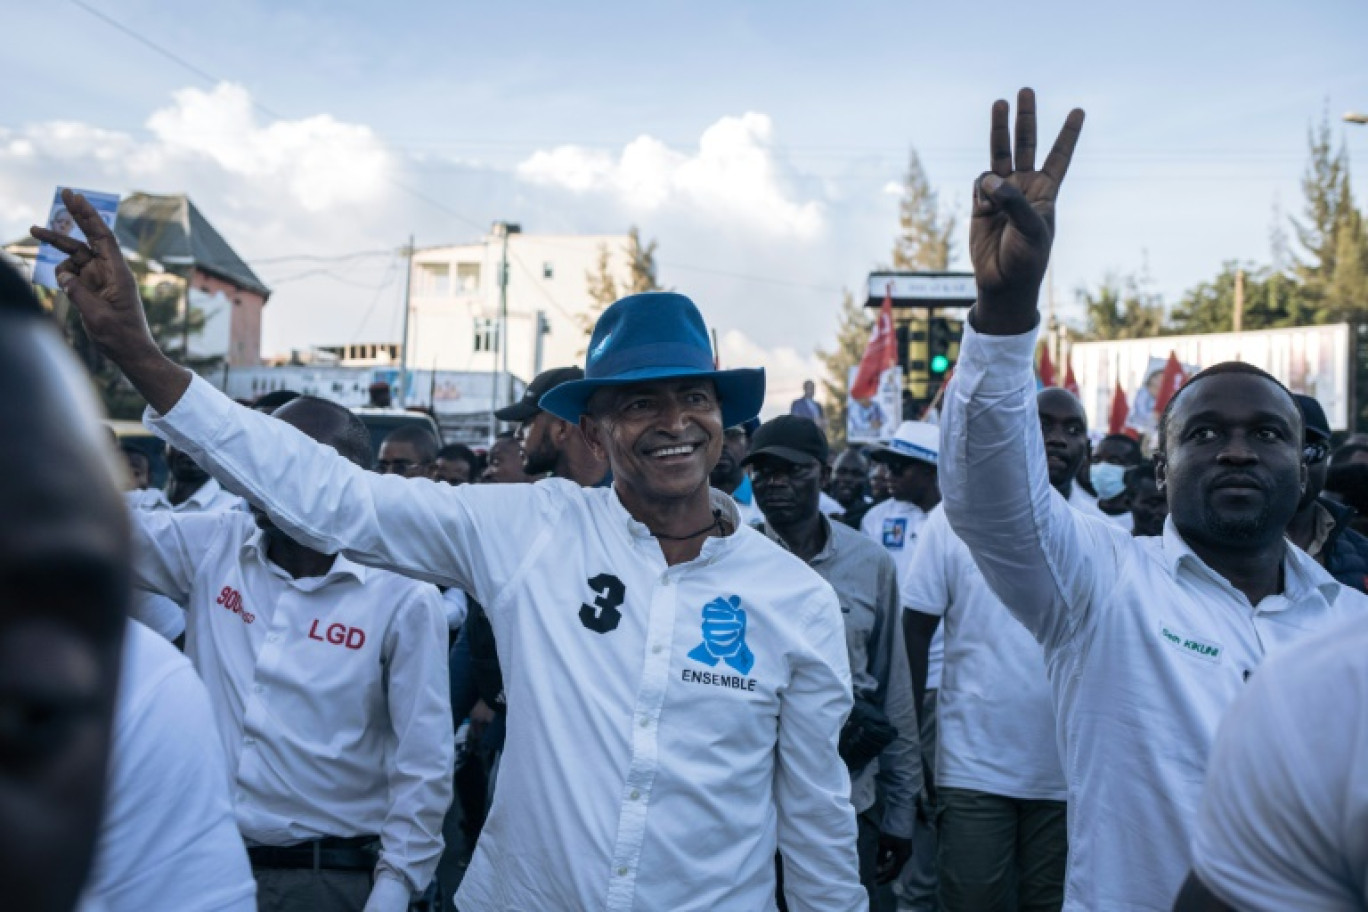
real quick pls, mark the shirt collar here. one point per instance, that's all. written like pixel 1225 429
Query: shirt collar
pixel 828 550
pixel 712 547
pixel 204 496
pixel 743 493
pixel 1300 572
pixel 255 547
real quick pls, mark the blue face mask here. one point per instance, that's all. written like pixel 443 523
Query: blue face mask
pixel 1108 479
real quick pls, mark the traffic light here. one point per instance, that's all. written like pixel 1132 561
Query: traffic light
pixel 939 337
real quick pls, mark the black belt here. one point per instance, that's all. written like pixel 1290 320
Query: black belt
pixel 331 853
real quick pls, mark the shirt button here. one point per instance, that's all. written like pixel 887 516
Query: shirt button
pixel 635 794
pixel 622 872
pixel 656 648
pixel 645 723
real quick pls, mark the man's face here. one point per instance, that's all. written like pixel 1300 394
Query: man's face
pixel 848 479
pixel 1232 470
pixel 138 469
pixel 661 438
pixel 399 457
pixel 453 471
pixel 787 492
pixel 1148 508
pixel 64 578
pixel 879 481
pixel 537 436
pixel 1064 427
pixel 505 463
pixel 184 469
pixel 726 475
pixel 911 480
pixel 1115 452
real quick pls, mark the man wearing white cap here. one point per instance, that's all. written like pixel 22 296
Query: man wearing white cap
pixel 911 456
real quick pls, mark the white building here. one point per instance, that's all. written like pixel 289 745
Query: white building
pixel 454 301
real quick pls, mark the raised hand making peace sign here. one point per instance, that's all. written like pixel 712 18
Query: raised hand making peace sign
pixel 103 289
pixel 1013 222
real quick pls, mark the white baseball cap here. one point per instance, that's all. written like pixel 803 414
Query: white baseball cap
pixel 913 440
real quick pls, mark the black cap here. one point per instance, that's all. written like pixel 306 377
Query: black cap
pixel 543 383
pixel 790 438
pixel 1313 417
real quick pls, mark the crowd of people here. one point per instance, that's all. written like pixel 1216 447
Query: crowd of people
pixel 649 653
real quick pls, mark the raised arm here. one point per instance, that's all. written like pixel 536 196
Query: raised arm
pixel 1038 556
pixel 416 527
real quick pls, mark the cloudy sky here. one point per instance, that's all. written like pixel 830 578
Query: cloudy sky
pixel 757 142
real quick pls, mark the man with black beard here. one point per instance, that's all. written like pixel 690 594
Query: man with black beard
pixel 1148 641
pixel 552 446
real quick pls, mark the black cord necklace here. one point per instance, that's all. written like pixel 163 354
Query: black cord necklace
pixel 715 524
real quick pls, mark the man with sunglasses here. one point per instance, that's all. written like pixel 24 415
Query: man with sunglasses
pixel 1322 527
pixel 788 461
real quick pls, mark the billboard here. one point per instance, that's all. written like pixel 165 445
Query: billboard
pixel 1309 359
pixel 875 419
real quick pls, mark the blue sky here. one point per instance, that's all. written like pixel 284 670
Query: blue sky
pixel 755 141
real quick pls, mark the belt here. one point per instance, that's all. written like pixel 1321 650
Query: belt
pixel 331 853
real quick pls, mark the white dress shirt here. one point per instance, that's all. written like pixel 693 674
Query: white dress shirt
pixel 330 693
pixel 651 762
pixel 167 840
pixel 1284 820
pixel 995 720
pixel 1146 646
pixel 895 524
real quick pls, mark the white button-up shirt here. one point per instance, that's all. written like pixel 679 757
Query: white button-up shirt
pixel 668 727
pixel 1285 817
pixel 1146 646
pixel 330 693
pixel 208 498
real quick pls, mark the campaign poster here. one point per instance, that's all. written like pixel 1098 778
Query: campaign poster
pixel 876 418
pixel 60 220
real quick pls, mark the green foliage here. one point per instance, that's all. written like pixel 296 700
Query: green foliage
pixel 852 335
pixel 1271 300
pixel 1119 308
pixel 924 234
pixel 603 288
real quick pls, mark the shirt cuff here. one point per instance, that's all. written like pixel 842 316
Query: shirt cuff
pixel 390 894
pixel 996 363
pixel 195 419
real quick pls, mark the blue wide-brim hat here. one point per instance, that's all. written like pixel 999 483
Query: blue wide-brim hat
pixel 656 335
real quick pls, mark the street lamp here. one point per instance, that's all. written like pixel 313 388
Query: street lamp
pixel 1354 117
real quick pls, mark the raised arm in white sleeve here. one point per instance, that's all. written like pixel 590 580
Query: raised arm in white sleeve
pixel 419 770
pixel 416 527
pixel 1042 559
pixel 817 832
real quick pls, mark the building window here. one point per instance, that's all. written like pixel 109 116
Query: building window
pixel 434 279
pixel 486 334
pixel 548 270
pixel 467 278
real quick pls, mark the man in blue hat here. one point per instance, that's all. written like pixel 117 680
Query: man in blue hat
pixel 677 683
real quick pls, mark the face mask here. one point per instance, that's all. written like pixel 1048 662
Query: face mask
pixel 1108 479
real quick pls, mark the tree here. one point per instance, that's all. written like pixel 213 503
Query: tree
pixel 924 234
pixel 1334 275
pixel 1119 308
pixel 603 288
pixel 1271 300
pixel 852 335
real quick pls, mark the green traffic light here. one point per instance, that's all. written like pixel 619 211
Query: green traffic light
pixel 940 364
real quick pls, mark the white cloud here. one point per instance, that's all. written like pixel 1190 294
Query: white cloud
pixel 734 177
pixel 785 368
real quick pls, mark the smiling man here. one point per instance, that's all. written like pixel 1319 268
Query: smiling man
pixel 676 683
pixel 1147 641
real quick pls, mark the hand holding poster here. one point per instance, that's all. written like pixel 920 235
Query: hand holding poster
pixel 59 219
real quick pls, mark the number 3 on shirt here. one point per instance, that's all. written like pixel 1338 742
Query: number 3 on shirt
pixel 603 615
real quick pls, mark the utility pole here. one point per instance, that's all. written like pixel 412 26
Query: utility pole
pixel 500 350
pixel 503 312
pixel 404 351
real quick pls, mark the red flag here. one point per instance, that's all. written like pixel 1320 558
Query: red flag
pixel 1120 411
pixel 1047 371
pixel 880 354
pixel 1169 383
pixel 1070 381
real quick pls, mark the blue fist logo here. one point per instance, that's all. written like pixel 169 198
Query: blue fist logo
pixel 724 636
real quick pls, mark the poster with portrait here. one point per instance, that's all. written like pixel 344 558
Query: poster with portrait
pixel 876 418
pixel 59 219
